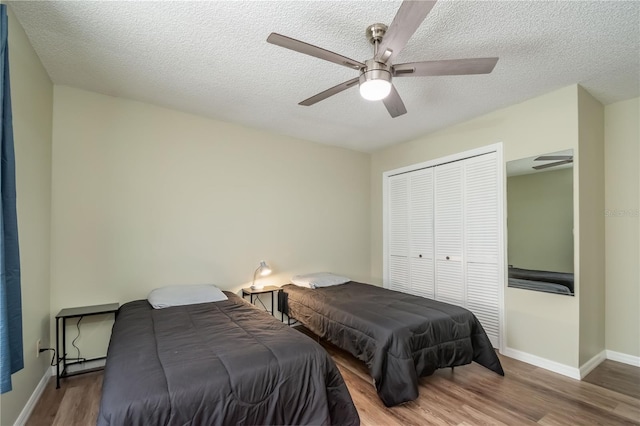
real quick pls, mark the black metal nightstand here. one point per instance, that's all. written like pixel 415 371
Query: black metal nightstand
pixel 257 292
pixel 83 311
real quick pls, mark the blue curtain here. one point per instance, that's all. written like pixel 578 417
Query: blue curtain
pixel 11 358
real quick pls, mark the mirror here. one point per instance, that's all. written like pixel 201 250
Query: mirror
pixel 540 223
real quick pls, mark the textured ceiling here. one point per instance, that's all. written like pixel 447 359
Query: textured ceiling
pixel 212 59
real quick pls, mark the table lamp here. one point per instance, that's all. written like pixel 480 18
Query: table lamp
pixel 263 270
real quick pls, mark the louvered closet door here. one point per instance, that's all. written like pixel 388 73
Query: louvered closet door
pixel 449 233
pixel 482 242
pixel 398 260
pixel 421 253
pixel 444 236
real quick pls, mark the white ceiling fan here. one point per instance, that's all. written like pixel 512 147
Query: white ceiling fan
pixel 557 160
pixel 376 73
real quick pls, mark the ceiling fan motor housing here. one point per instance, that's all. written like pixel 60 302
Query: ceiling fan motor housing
pixel 375 71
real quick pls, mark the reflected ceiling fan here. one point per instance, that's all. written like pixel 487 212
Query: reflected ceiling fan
pixel 558 160
pixel 376 73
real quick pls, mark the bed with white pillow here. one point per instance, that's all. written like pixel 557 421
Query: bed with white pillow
pixel 195 355
pixel 399 336
pixel 319 280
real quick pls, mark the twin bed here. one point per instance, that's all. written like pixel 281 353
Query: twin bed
pixel 400 337
pixel 227 362
pixel 217 363
pixel 546 281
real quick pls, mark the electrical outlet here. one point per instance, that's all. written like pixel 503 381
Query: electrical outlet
pixel 38 348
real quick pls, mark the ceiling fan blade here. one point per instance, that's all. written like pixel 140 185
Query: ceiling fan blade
pixel 445 67
pixel 329 92
pixel 394 103
pixel 311 50
pixel 557 163
pixel 409 17
pixel 553 157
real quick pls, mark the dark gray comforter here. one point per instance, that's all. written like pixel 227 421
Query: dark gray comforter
pixel 221 363
pixel 518 276
pixel 544 286
pixel 399 336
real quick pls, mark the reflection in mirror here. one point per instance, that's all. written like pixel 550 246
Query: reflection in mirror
pixel 540 223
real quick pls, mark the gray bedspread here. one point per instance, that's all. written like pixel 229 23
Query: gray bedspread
pixel 562 281
pixel 546 287
pixel 222 363
pixel 399 336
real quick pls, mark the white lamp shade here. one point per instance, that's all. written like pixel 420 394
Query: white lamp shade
pixel 375 90
pixel 263 269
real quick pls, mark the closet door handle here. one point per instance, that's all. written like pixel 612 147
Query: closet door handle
pixel 419 255
pixel 447 257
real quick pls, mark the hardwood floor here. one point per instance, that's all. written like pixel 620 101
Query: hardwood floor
pixel 617 377
pixel 468 395
pixel 75 403
pixel 474 395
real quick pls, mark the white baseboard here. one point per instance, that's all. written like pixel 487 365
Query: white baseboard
pixel 588 366
pixel 33 400
pixel 624 358
pixel 547 364
pixel 566 370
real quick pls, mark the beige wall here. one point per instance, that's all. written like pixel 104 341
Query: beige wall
pixel 591 179
pixel 32 99
pixel 540 324
pixel 540 220
pixel 622 162
pixel 145 197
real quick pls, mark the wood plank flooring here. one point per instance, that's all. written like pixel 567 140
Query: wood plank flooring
pixel 75 403
pixel 468 395
pixel 616 376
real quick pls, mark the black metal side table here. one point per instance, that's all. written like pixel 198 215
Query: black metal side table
pixel 79 312
pixel 257 292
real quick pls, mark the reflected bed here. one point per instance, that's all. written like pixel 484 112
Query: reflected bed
pixel 546 281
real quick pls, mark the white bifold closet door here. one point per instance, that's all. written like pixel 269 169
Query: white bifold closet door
pixel 482 242
pixel 421 253
pixel 399 271
pixel 449 233
pixel 444 236
pixel 411 254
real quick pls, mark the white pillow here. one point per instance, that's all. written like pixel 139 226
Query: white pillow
pixel 178 295
pixel 318 279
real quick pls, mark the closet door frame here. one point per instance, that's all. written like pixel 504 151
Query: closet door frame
pixel 501 187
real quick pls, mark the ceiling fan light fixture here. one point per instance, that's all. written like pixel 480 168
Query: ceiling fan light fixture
pixel 375 90
pixel 375 81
